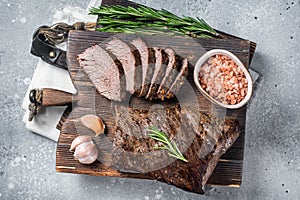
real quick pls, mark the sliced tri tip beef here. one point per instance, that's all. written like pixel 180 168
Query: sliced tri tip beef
pixel 159 72
pixel 105 71
pixel 170 74
pixel 180 79
pixel 130 59
pixel 148 60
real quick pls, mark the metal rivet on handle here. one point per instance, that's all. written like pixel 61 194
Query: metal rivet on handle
pixel 52 54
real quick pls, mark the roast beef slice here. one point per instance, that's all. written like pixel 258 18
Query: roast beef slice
pixel 105 71
pixel 147 55
pixel 130 58
pixel 179 81
pixel 159 72
pixel 172 72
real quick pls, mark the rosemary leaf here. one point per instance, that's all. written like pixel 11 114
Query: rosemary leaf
pixel 172 147
pixel 134 20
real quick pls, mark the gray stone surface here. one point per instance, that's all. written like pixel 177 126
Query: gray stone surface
pixel 272 162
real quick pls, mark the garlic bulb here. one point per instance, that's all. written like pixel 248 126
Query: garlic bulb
pixel 94 123
pixel 85 150
pixel 79 140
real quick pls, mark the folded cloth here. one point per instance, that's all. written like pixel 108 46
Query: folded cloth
pixel 48 76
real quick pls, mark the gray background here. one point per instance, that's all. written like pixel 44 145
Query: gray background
pixel 272 161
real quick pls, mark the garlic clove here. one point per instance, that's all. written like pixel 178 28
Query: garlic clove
pixel 94 123
pixel 90 158
pixel 79 140
pixel 86 152
pixel 84 149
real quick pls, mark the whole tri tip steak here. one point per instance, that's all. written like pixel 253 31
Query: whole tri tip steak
pixel 104 71
pixel 202 139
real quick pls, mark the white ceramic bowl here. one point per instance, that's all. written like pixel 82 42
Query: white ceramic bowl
pixel 204 58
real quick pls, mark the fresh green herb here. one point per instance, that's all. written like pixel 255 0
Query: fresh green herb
pixel 149 21
pixel 166 143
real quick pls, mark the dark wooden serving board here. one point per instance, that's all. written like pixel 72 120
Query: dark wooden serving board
pixel 89 101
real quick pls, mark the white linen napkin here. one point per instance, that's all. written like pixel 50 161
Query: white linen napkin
pixel 48 76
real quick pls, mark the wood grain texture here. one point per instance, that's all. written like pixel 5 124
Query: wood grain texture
pixel 52 97
pixel 229 169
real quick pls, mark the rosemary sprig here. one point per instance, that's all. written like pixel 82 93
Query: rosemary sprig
pixel 167 144
pixel 134 20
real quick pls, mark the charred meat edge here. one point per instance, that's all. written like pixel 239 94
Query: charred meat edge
pixel 160 68
pixel 150 72
pixel 158 63
pixel 176 85
pixel 169 74
pixel 147 57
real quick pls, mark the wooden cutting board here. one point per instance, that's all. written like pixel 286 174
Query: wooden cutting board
pixel 88 101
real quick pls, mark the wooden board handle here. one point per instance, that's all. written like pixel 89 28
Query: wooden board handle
pixel 47 97
pixel 52 97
